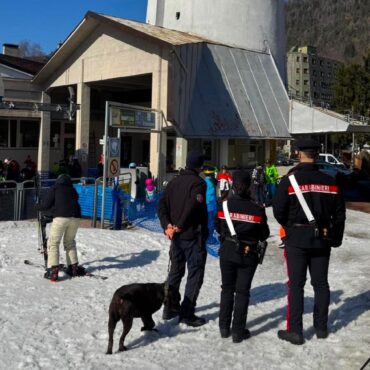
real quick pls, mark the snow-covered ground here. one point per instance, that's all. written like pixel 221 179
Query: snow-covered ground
pixel 64 325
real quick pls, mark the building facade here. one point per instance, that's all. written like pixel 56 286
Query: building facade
pixel 310 76
pixel 229 102
pixel 19 123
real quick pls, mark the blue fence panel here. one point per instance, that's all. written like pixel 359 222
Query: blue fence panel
pixel 86 200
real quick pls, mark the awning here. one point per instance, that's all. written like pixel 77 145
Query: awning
pixel 224 92
pixel 307 119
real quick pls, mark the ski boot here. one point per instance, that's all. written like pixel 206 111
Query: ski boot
pixel 75 270
pixel 52 273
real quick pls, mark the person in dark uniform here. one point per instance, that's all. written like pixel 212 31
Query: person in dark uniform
pixel 238 262
pixel 182 211
pixel 308 244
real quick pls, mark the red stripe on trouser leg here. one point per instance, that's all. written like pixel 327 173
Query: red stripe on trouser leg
pixel 288 308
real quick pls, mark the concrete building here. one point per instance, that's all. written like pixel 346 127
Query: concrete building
pixel 310 76
pixel 228 101
pixel 19 124
pixel 247 24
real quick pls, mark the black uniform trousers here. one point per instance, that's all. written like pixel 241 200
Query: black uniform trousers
pixel 193 255
pixel 317 261
pixel 236 284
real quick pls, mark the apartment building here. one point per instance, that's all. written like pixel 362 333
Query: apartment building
pixel 310 76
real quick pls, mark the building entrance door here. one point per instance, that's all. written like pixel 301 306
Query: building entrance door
pixel 126 146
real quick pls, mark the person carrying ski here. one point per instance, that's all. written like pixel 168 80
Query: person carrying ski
pixel 62 199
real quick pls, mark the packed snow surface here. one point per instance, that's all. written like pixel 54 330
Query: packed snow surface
pixel 64 325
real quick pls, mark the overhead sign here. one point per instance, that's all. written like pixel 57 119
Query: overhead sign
pixel 130 118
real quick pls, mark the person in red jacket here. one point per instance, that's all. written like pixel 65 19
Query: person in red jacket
pixel 225 180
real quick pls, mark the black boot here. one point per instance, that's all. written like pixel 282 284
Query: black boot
pixel 192 320
pixel 291 337
pixel 225 332
pixel 169 312
pixel 75 270
pixel 52 273
pixel 321 334
pixel 239 337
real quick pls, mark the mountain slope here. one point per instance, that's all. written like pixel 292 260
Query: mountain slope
pixel 339 28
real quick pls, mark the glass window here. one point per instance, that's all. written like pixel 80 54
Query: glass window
pixel 298 59
pixel 305 59
pixel 297 82
pixel 29 134
pixel 305 71
pixel 298 70
pixel 313 61
pixel 305 82
pixel 4 127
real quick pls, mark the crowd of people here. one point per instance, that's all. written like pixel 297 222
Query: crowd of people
pixel 10 170
pixel 312 225
pixel 307 204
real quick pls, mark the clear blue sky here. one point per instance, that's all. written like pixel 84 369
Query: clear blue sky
pixel 48 22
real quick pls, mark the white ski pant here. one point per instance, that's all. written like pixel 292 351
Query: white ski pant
pixel 66 228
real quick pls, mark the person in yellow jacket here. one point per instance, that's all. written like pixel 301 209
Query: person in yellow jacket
pixel 272 177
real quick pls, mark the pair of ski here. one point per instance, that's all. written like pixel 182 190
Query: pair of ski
pixel 63 268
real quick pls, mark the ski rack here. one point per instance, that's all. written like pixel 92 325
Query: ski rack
pixel 69 109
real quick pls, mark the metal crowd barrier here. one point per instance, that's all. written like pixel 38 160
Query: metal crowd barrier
pixel 17 200
pixel 8 200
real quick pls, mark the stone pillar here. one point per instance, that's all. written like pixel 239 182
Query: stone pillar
pixel 181 151
pixel 83 126
pixel 158 138
pixel 224 152
pixel 43 155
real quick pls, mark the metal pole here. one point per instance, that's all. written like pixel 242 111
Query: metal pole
pixel 105 164
pixel 159 148
pixel 353 149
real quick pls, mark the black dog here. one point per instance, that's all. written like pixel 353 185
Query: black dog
pixel 135 300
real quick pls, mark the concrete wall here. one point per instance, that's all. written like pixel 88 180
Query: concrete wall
pixel 106 54
pixel 21 90
pixel 243 23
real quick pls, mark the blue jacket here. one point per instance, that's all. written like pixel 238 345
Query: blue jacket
pixel 211 198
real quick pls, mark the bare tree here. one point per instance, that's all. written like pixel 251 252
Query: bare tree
pixel 29 49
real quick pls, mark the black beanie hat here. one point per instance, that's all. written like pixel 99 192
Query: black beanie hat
pixel 194 160
pixel 241 183
pixel 242 178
